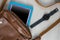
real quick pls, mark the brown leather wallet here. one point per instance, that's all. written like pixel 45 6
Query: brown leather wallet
pixel 12 27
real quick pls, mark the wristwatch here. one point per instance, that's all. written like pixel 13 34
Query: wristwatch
pixel 45 17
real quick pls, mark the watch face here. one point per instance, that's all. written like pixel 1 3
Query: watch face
pixel 46 3
pixel 23 11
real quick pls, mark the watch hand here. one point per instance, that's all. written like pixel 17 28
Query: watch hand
pixel 45 17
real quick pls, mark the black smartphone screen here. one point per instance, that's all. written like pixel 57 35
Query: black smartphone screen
pixel 22 13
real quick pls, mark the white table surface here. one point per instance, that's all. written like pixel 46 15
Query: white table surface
pixel 38 12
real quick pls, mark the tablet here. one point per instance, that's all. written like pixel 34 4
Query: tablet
pixel 24 12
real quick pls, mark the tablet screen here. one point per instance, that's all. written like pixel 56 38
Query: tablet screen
pixel 22 13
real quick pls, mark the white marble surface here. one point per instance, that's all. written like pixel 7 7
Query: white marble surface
pixel 42 26
pixel 38 12
pixel 53 34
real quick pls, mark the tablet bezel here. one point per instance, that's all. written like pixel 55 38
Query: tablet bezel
pixel 23 6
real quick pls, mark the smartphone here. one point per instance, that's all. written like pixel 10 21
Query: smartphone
pixel 24 12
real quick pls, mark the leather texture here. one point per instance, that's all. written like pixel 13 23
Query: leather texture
pixel 2 3
pixel 12 27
